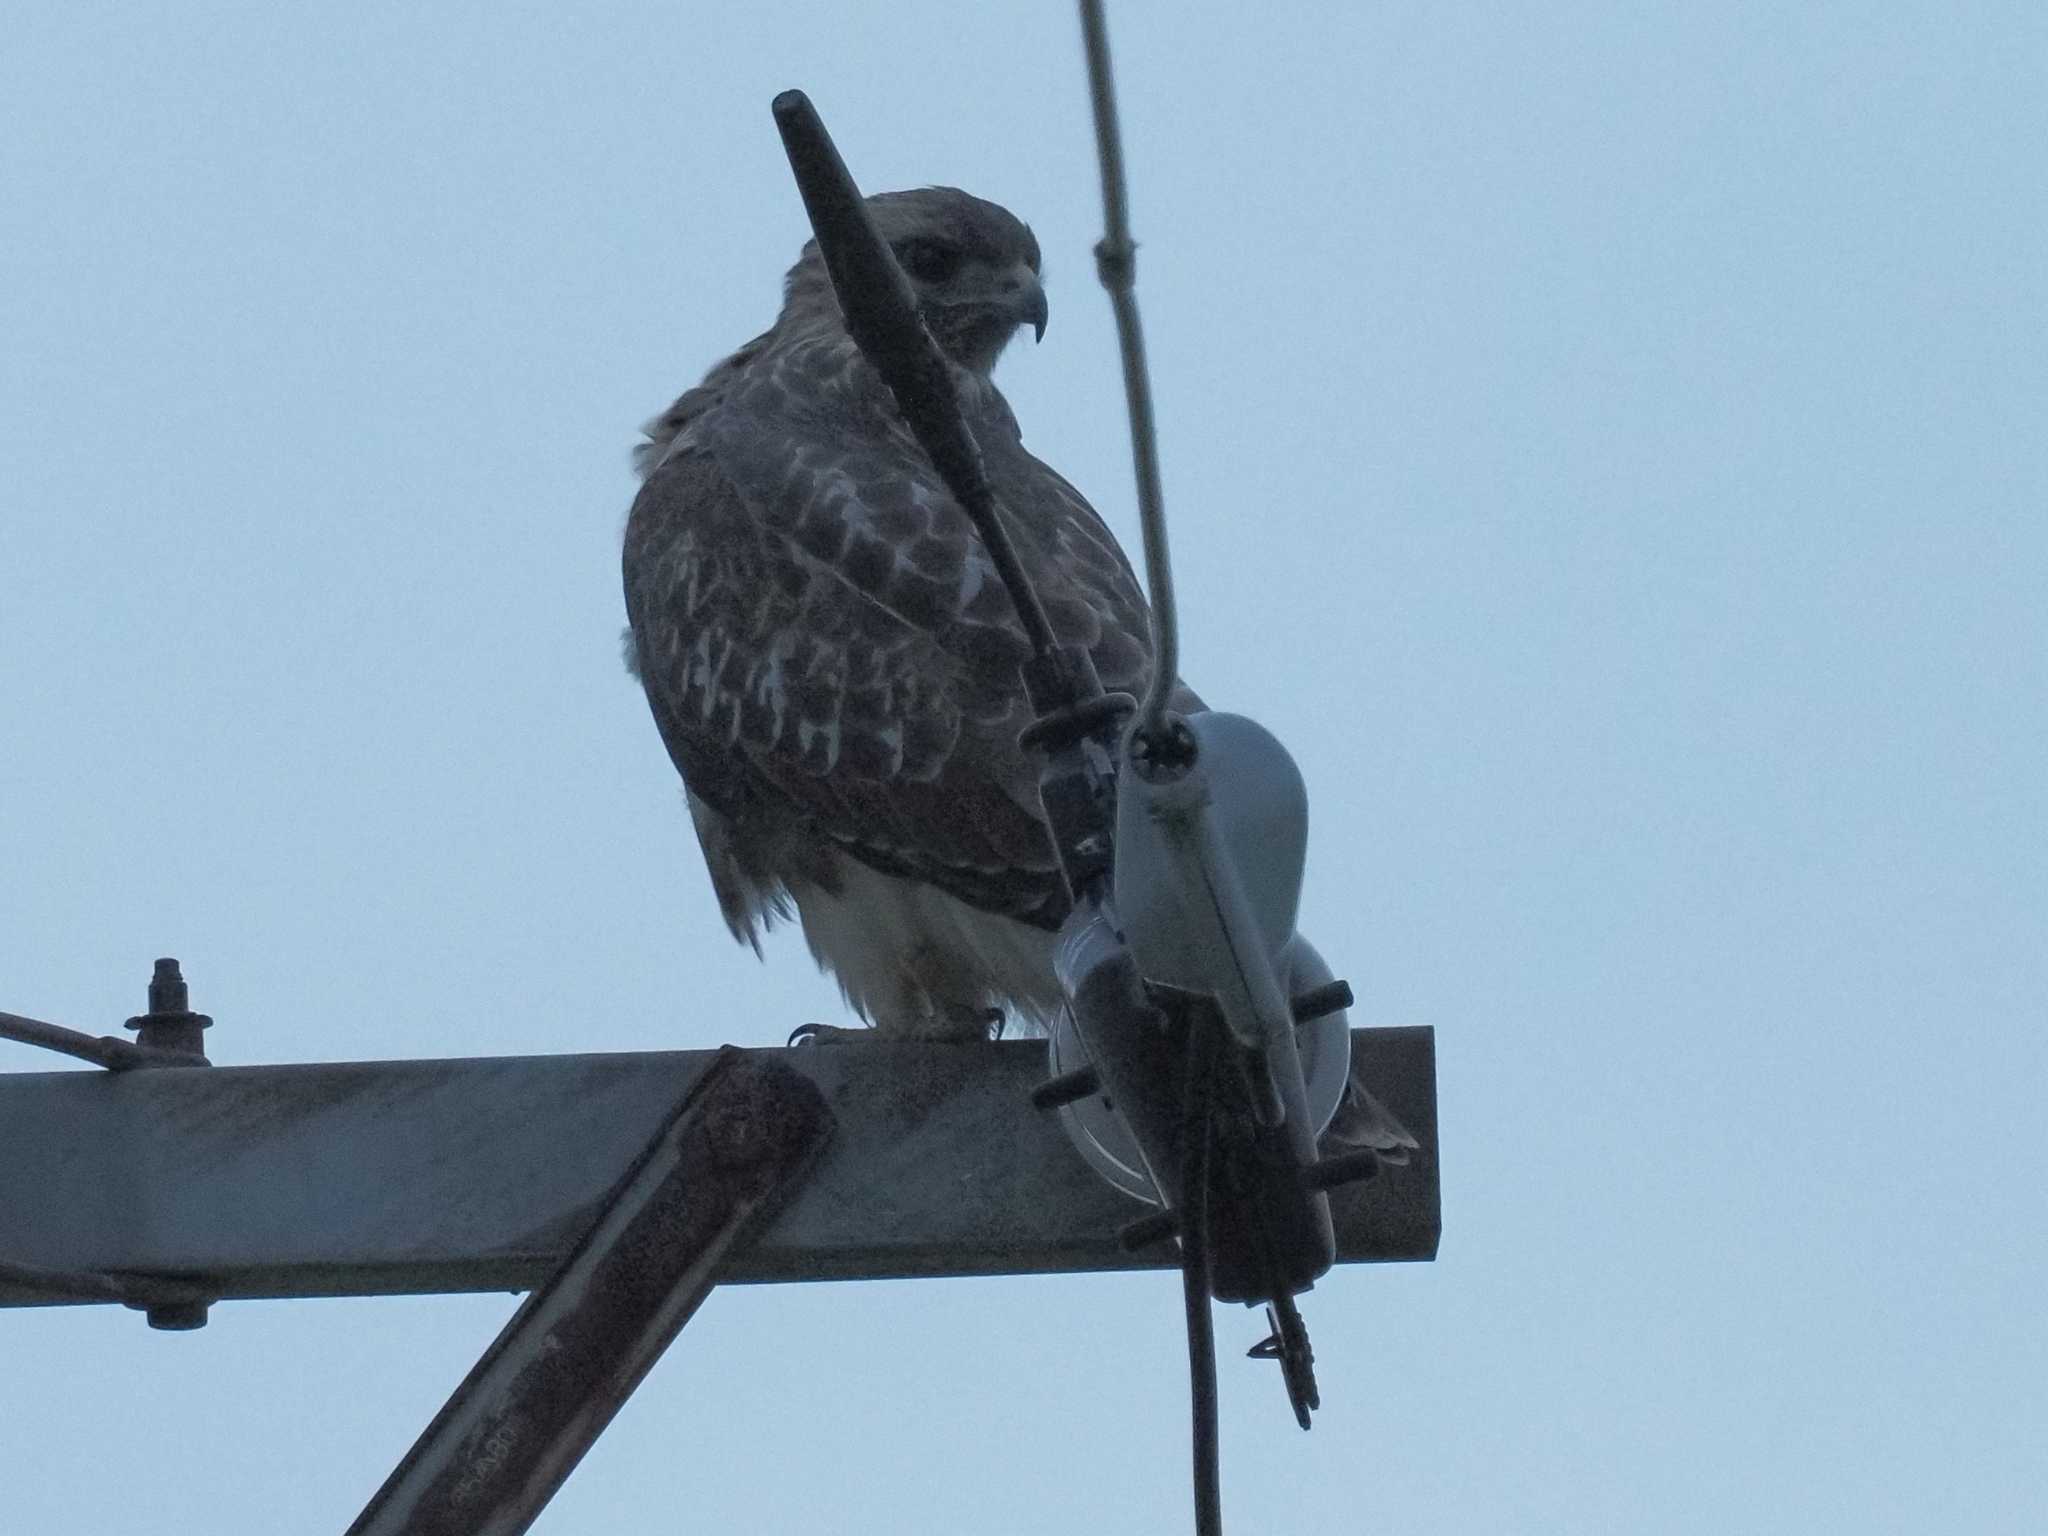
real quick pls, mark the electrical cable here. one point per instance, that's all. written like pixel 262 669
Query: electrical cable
pixel 1196 1149
pixel 1116 264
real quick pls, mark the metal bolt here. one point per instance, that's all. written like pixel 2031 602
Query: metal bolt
pixel 1344 1168
pixel 174 1316
pixel 1320 1001
pixel 170 1024
pixel 1081 1083
pixel 167 990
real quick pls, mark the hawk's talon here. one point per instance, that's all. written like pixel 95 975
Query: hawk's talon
pixel 959 1028
pixel 817 1034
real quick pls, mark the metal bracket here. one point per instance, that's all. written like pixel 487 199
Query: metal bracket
pixel 169 1035
pixel 739 1144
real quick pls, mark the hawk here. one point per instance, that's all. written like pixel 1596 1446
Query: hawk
pixel 833 662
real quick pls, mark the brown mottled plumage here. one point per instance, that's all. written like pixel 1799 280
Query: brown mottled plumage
pixel 830 656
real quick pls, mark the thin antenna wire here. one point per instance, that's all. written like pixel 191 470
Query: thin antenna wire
pixel 1116 263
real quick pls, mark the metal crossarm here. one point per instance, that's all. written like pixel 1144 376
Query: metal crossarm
pixel 386 1178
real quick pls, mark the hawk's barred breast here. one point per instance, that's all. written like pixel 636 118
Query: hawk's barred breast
pixel 828 652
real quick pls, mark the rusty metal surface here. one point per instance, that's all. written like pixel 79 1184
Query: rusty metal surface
pixel 381 1178
pixel 573 1353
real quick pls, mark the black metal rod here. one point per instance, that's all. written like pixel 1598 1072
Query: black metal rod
pixel 107 1051
pixel 881 316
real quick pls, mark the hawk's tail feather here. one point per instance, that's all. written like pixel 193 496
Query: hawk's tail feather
pixel 750 905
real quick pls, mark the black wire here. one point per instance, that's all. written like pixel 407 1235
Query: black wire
pixel 1194 1271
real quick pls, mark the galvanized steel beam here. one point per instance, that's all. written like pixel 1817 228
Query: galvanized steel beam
pixel 385 1178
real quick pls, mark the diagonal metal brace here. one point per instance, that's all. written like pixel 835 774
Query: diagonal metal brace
pixel 739 1144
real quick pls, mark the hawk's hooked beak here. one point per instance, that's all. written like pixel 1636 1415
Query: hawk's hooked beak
pixel 1025 295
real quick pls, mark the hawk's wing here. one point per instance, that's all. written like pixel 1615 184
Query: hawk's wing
pixel 826 644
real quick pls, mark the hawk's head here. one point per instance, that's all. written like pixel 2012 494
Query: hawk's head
pixel 972 264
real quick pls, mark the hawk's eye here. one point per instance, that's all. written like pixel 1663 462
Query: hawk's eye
pixel 929 261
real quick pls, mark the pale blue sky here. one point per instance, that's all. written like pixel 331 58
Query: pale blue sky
pixel 1604 441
